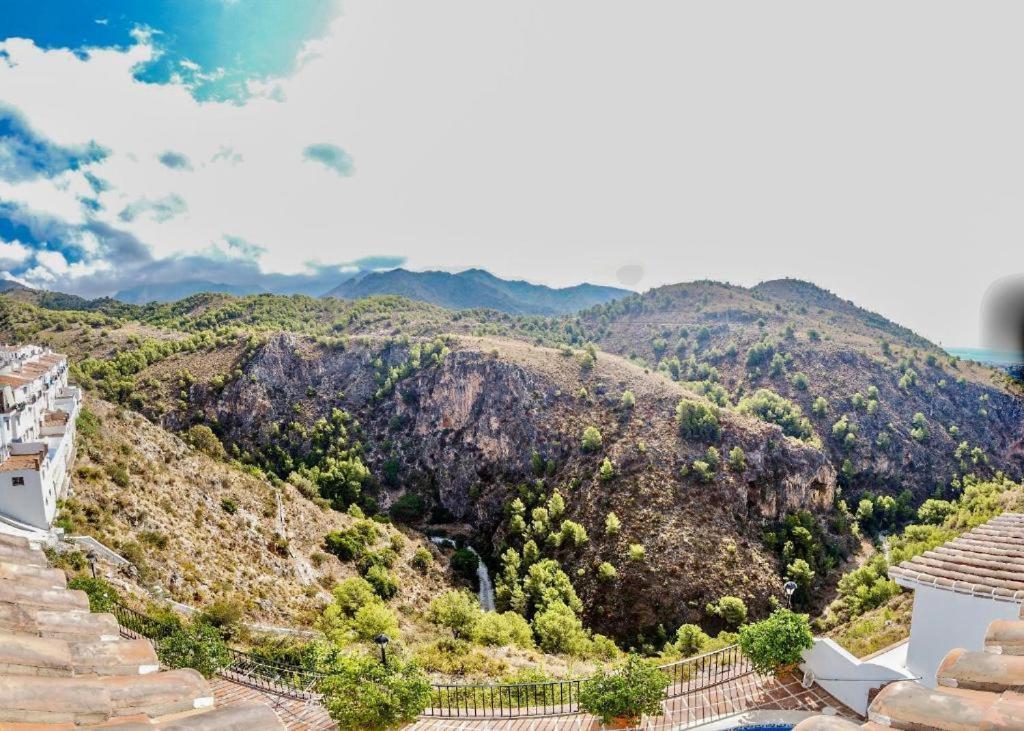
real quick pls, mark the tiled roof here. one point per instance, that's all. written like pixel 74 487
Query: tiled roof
pixel 62 667
pixel 30 461
pixel 976 689
pixel 13 381
pixel 988 560
pixel 55 418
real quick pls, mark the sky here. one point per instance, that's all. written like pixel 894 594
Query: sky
pixel 872 148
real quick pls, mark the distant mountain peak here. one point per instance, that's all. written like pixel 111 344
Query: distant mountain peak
pixel 477 288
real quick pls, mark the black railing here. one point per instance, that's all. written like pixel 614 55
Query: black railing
pixel 688 678
pixel 242 667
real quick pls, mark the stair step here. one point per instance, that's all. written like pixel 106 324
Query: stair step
pixel 251 716
pixel 123 657
pixel 42 598
pixel 23 655
pixel 158 694
pixel 16 554
pixel 907 704
pixel 14 541
pixel 29 575
pixel 29 699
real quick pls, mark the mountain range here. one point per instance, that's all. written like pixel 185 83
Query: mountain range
pixel 469 289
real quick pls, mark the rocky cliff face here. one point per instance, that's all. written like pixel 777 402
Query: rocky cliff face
pixel 463 433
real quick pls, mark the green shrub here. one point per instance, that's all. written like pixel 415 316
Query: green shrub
pixel 628 400
pixel 935 512
pixel 636 552
pixel 697 420
pixel 592 439
pixel 737 459
pixel 504 629
pixel 422 559
pixel 612 525
pixel 559 630
pixel 384 584
pixel 354 593
pixel 606 471
pixel 731 609
pixel 349 544
pixel 776 641
pixel 606 572
pixel 407 509
pixel 374 619
pixel 229 506
pixel 102 596
pixel 690 640
pixel 464 563
pixel 456 610
pixel 361 693
pixel 196 645
pixel 769 406
pixel 820 406
pixel 202 438
pixel 702 470
pixel 632 690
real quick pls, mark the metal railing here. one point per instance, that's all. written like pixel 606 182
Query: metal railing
pixel 687 677
pixel 242 667
pixel 561 697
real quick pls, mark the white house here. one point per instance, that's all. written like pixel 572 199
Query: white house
pixel 959 588
pixel 38 412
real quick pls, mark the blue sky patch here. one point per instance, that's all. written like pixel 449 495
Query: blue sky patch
pixel 27 155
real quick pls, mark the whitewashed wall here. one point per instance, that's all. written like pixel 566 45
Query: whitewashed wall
pixel 845 676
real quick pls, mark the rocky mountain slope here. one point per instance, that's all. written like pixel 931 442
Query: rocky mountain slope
pixel 893 410
pixel 465 432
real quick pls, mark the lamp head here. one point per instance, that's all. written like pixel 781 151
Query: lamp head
pixel 382 639
pixel 789 587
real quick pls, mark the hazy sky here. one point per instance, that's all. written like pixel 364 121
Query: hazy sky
pixel 874 148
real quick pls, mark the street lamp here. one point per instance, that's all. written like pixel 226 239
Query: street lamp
pixel 382 641
pixel 789 587
pixel 92 562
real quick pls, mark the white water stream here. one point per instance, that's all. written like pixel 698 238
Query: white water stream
pixel 486 592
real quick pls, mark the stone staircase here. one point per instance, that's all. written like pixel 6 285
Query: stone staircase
pixel 62 667
pixel 976 690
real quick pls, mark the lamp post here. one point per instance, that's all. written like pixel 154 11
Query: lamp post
pixel 92 562
pixel 382 641
pixel 789 587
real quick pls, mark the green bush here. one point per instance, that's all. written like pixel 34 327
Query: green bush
pixel 592 439
pixel 632 690
pixel 422 559
pixel 607 470
pixel 349 544
pixel 606 572
pixel 737 459
pixel 769 406
pixel 612 524
pixel 690 640
pixel 374 619
pixel 628 400
pixel 354 593
pixel 776 641
pixel 636 552
pixel 202 438
pixel 407 509
pixel 504 629
pixel 196 645
pixel 731 609
pixel 384 584
pixel 697 420
pixel 361 693
pixel 457 610
pixel 102 596
pixel 559 630
pixel 464 563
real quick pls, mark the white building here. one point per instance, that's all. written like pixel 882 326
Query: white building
pixel 38 412
pixel 959 588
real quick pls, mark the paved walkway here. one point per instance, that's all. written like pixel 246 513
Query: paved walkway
pixel 296 715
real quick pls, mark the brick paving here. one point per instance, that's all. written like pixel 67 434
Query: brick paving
pixel 296 715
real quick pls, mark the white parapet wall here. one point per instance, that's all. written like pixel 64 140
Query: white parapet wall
pixel 848 678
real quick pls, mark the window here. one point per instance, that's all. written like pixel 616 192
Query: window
pixel 17 481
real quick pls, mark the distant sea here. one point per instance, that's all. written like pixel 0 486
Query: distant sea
pixel 999 358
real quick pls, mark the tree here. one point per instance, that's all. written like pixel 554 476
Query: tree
pixel 800 572
pixel 546 583
pixel 558 629
pixel 457 610
pixel 607 470
pixel 769 406
pixel 636 552
pixel 820 406
pixel 383 583
pixel 690 640
pixel 799 381
pixel 776 641
pixel 465 563
pixel 606 572
pixel 592 439
pixel 202 438
pixel 731 609
pixel 612 525
pixel 737 459
pixel 932 511
pixel 196 645
pixel 507 628
pixel 407 509
pixel 374 619
pixel 628 400
pixel 697 420
pixel 361 693
pixel 573 534
pixel 632 690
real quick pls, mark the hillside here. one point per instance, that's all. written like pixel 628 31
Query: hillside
pixel 893 410
pixel 475 288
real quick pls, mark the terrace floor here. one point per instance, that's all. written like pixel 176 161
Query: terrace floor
pixel 751 692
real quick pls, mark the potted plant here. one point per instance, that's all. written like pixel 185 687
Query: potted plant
pixel 776 644
pixel 619 698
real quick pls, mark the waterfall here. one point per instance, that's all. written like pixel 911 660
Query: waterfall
pixel 486 592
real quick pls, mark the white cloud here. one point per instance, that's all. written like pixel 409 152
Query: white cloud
pixel 13 253
pixel 561 141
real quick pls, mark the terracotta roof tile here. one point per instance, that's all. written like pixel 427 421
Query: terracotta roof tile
pixel 987 560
